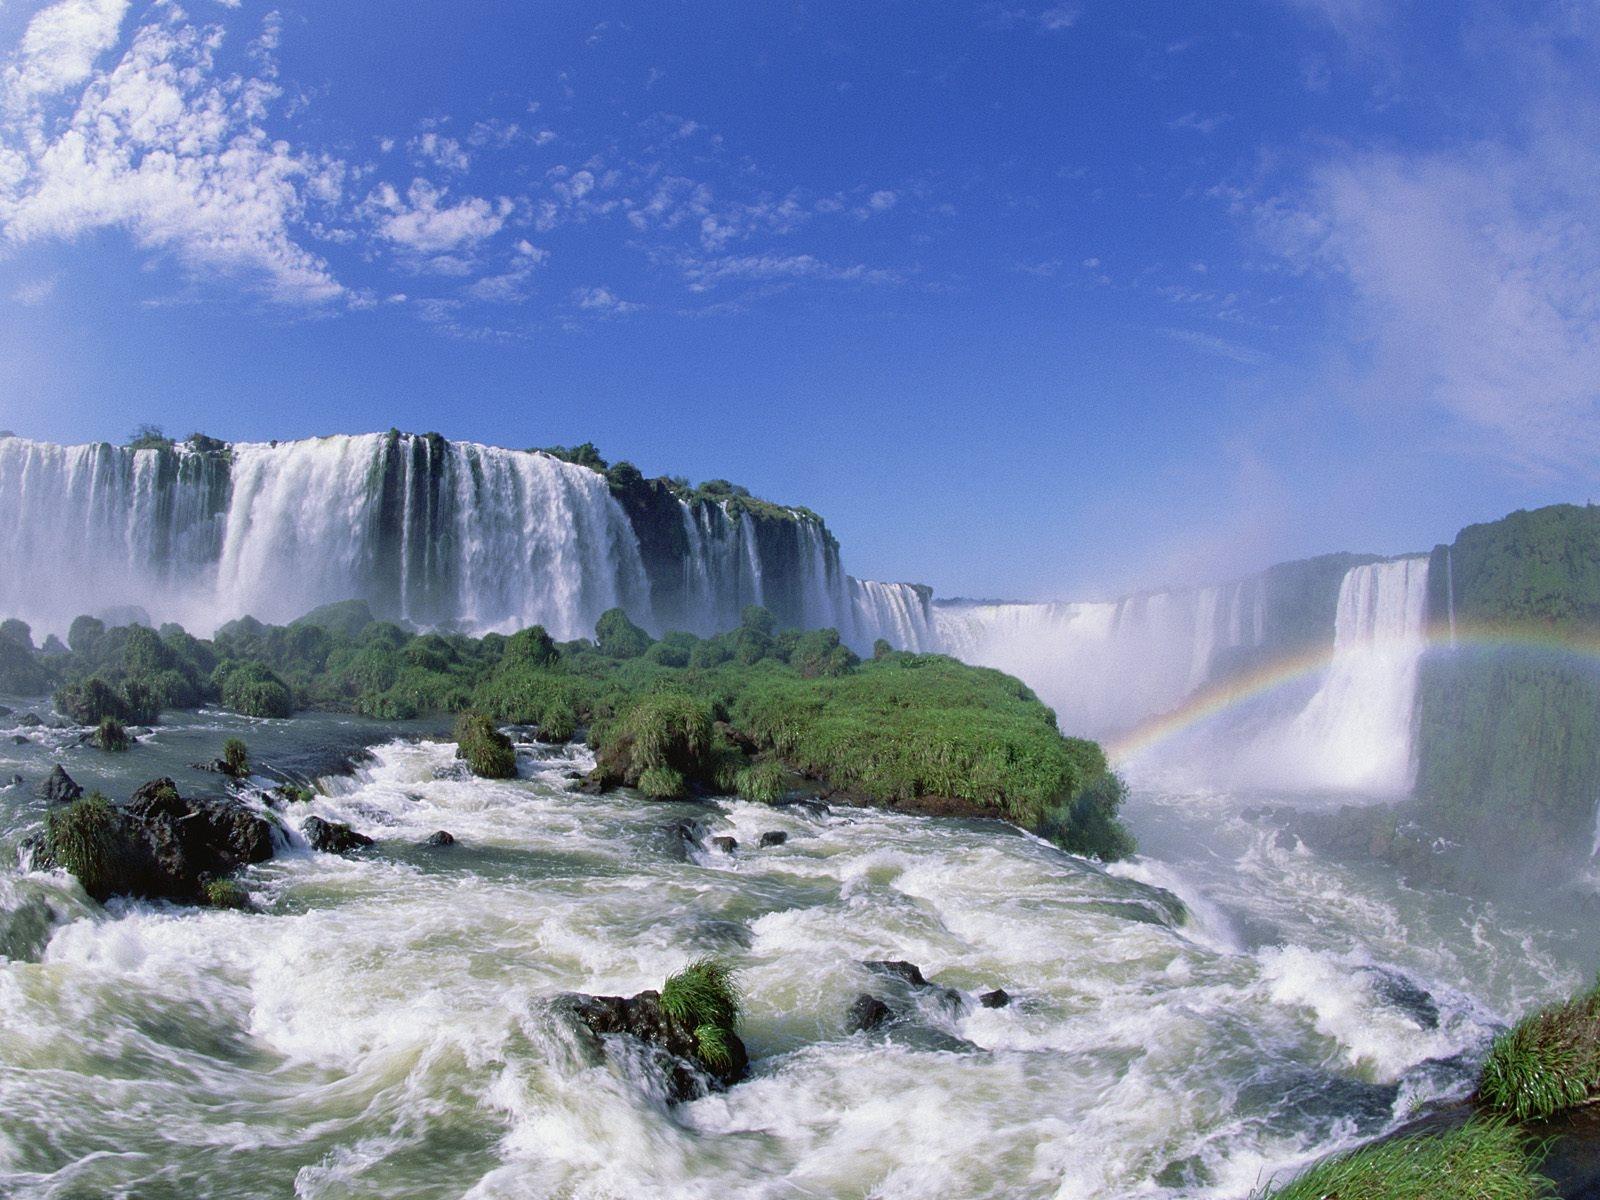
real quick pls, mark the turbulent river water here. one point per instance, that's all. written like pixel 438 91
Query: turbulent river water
pixel 1224 1007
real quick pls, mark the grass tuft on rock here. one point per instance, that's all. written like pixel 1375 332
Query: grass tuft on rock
pixel 225 893
pixel 489 753
pixel 704 993
pixel 663 783
pixel 1546 1062
pixel 84 838
pixel 761 782
pixel 1481 1160
pixel 236 757
pixel 111 735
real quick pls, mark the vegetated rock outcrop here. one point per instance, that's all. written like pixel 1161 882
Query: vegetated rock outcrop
pixel 158 845
pixel 686 1033
pixel 332 837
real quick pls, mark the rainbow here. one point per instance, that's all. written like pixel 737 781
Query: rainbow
pixel 1236 690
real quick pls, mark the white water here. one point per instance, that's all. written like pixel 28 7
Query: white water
pixel 426 531
pixel 383 1028
pixel 1104 667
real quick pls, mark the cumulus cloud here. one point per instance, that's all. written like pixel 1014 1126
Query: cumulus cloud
pixel 159 145
pixel 422 220
pixel 602 302
pixel 61 43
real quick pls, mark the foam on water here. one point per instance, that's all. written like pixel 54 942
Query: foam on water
pixel 384 1027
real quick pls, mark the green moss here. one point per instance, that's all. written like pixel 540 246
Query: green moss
pixel 253 690
pixel 489 753
pixel 1546 1062
pixel 1482 1160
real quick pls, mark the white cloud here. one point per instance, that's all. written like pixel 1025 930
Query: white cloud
pixel 61 43
pixel 160 147
pixel 36 291
pixel 602 301
pixel 441 151
pixel 1061 16
pixel 706 273
pixel 423 222
pixel 1219 347
pixel 1197 122
pixel 881 201
pixel 1475 278
pixel 509 286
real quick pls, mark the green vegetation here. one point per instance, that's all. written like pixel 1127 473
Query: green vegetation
pixel 83 837
pixel 1481 1160
pixel 225 893
pixel 744 712
pixel 149 437
pixel 1546 1062
pixel 110 735
pixel 236 757
pixel 705 997
pixel 489 753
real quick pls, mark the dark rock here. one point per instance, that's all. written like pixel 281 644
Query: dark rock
pixel 1400 992
pixel 4 711
pixel 215 766
pixel 998 998
pixel 29 721
pixel 1284 840
pixel 16 781
pixel 812 808
pixel 669 1042
pixel 333 837
pixel 18 740
pixel 773 837
pixel 897 969
pixel 868 1012
pixel 191 841
pixel 57 787
pixel 725 844
pixel 442 838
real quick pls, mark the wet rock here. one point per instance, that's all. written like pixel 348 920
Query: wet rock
pixel 1400 992
pixel 57 787
pixel 441 838
pixel 4 711
pixel 18 740
pixel 897 969
pixel 29 721
pixel 868 1012
pixel 773 837
pixel 16 781
pixel 333 837
pixel 725 844
pixel 812 808
pixel 668 1042
pixel 1284 840
pixel 999 998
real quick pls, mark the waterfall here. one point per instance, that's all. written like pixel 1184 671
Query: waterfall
pixel 1450 592
pixel 899 613
pixel 1355 733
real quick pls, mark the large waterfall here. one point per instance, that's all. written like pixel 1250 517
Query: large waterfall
pixel 425 530
pixel 1106 666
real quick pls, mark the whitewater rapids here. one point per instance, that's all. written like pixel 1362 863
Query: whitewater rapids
pixel 383 1027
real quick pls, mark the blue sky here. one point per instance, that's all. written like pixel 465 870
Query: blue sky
pixel 1027 299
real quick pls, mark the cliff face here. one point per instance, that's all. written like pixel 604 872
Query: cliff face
pixel 1508 718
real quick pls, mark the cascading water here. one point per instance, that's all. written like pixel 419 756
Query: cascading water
pixel 425 530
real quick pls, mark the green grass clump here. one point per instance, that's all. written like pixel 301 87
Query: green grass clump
pixel 705 996
pixel 225 893
pixel 111 735
pixel 1548 1061
pixel 761 782
pixel 236 757
pixel 489 753
pixel 1481 1160
pixel 84 838
pixel 663 783
pixel 669 729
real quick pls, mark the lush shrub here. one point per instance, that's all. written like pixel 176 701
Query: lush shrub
pixel 236 757
pixel 531 647
pixel 84 632
pixel 663 783
pixel 110 735
pixel 705 997
pixel 90 701
pixel 252 690
pixel 1546 1062
pixel 489 753
pixel 13 630
pixel 85 838
pixel 761 782
pixel 1482 1160
pixel 818 652
pixel 20 672
pixel 618 637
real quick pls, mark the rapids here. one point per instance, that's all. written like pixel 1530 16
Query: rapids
pixel 1225 1006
